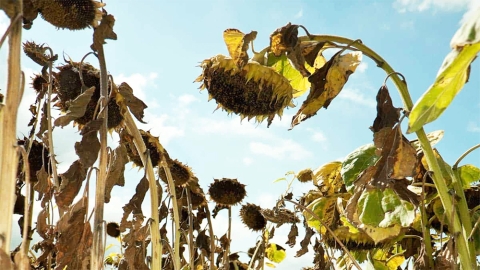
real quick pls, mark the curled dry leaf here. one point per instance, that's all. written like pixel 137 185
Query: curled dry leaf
pixel 279 216
pixel 387 115
pixel 87 149
pixel 76 109
pixel 135 204
pixel 126 97
pixel 71 182
pixel 116 169
pixel 309 232
pixel 237 44
pixel 326 84
pixel 72 228
pixel 103 31
pixel 292 236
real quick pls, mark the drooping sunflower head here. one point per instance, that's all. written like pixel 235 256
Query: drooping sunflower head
pixel 181 173
pixel 38 157
pixel 253 91
pixel 39 84
pixel 151 142
pixel 252 218
pixel 70 14
pixel 36 53
pixel 113 229
pixel 227 191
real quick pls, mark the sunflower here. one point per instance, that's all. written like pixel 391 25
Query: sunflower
pixel 227 191
pixel 253 91
pixel 70 14
pixel 252 218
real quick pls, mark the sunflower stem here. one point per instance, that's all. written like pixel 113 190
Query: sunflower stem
pixel 8 120
pixel 212 238
pixel 98 247
pixel 157 246
pixel 190 228
pixel 176 218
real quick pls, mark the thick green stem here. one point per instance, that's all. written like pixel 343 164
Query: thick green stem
pixel 466 254
pixel 8 121
pixel 212 238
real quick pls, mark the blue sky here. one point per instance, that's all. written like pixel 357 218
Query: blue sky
pixel 159 47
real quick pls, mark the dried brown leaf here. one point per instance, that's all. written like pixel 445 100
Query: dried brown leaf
pixel 42 227
pixel 103 31
pixel 292 235
pixel 87 149
pixel 387 115
pixel 279 216
pixel 311 50
pixel 136 251
pixel 135 204
pixel 44 184
pixel 43 122
pixel 202 242
pixel 76 109
pixel 71 229
pixel 116 169
pixel 309 232
pixel 71 182
pixel 284 39
pixel 135 105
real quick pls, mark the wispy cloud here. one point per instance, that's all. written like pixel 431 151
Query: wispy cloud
pixel 299 14
pixel 473 127
pixel 247 161
pixel 356 96
pixel 281 149
pixel 407 25
pixel 423 5
pixel 186 99
pixel 362 67
pixel 138 82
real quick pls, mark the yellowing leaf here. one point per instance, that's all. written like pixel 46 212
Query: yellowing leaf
pixel 283 67
pixel 395 261
pixel 275 253
pixel 337 76
pixel 433 137
pixel 326 84
pixel 468 174
pixel 237 45
pixel 328 177
pixel 324 209
pixel 446 86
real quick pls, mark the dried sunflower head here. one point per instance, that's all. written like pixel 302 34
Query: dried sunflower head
pixel 181 173
pixel 36 53
pixel 254 91
pixel 70 14
pixel 252 218
pixel 227 191
pixel 38 157
pixel 40 85
pixel 151 142
pixel 305 175
pixel 113 229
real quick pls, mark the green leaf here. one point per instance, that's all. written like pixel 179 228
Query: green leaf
pixel 384 208
pixel 280 179
pixel 468 174
pixel 283 66
pixel 356 162
pixel 275 253
pixel 446 86
pixel 468 33
pixel 476 235
pixel 370 207
pixel 324 208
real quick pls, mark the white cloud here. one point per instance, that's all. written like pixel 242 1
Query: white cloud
pixel 164 126
pixel 138 82
pixel 423 5
pixel 247 161
pixel 356 96
pixel 362 67
pixel 281 149
pixel 299 14
pixel 473 127
pixel 318 136
pixel 186 99
pixel 407 25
